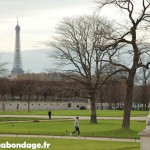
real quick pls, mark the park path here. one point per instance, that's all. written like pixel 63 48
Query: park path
pixel 72 137
pixel 143 118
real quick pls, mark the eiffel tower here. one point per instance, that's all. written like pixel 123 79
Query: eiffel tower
pixel 17 62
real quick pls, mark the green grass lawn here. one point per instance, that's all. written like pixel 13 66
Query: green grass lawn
pixel 65 144
pixel 104 128
pixel 100 113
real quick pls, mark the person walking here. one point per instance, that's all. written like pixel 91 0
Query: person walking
pixel 76 127
pixel 49 114
pixel 17 107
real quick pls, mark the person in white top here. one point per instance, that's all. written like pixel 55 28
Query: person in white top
pixel 76 127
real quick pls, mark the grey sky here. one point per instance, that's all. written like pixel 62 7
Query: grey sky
pixel 37 19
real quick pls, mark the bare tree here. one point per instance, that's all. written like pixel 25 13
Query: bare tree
pixel 29 90
pixel 4 90
pixel 75 48
pixel 143 77
pixel 133 35
pixel 3 70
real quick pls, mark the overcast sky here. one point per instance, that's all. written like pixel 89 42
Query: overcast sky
pixel 37 19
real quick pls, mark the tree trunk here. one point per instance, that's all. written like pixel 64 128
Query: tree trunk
pixel 93 109
pixel 146 98
pixel 29 103
pixel 21 97
pixel 37 96
pixel 128 101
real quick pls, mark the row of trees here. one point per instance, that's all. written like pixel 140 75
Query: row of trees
pixel 91 46
pixel 113 92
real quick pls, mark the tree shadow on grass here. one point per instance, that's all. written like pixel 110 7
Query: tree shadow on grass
pixel 118 133
pixel 127 148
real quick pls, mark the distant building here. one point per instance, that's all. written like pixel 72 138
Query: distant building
pixel 17 62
